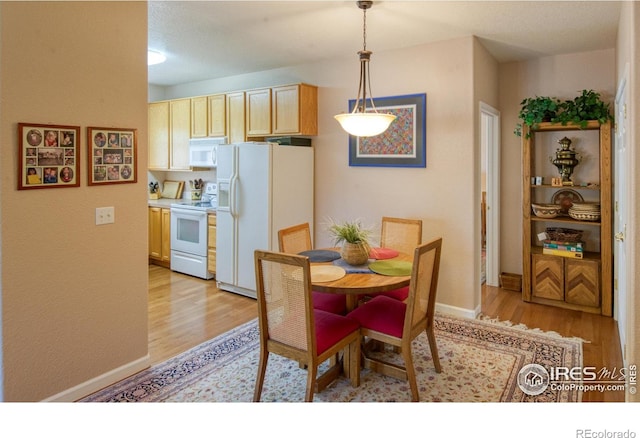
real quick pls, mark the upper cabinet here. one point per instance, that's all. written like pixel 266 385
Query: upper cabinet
pixel 217 115
pixel 235 117
pixel 169 133
pixel 199 112
pixel 258 112
pixel 208 118
pixel 239 116
pixel 295 110
pixel 179 134
pixel 159 135
pixel 285 110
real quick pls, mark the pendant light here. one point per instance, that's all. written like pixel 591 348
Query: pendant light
pixel 359 122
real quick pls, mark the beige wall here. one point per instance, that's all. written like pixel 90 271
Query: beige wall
pixel 74 295
pixel 562 76
pixel 442 194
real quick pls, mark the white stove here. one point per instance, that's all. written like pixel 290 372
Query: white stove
pixel 209 201
pixel 189 233
pixel 195 205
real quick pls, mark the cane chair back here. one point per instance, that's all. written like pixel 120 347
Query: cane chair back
pixel 397 323
pixel 403 235
pixel 290 327
pixel 295 239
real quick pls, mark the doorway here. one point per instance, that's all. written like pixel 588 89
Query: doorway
pixel 490 192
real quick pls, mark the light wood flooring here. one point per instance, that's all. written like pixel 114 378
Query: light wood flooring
pixel 185 311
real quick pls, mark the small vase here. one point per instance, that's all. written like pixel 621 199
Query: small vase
pixel 355 254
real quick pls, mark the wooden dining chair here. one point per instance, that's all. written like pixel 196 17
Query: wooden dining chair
pixel 403 235
pixel 296 239
pixel 397 323
pixel 290 327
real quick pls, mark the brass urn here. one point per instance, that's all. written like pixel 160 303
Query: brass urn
pixel 566 159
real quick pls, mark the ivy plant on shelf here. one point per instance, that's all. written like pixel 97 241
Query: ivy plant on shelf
pixel 587 106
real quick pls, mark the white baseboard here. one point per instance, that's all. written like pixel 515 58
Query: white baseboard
pixel 458 311
pixel 99 382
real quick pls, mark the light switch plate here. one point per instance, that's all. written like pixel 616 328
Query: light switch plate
pixel 105 215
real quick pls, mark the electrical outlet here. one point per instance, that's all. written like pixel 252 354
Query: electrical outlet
pixel 105 215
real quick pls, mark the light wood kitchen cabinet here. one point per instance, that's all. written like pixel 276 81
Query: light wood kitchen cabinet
pixel 160 236
pixel 294 110
pixel 180 133
pixel 235 117
pixel 158 157
pixel 199 115
pixel 217 117
pixel 169 134
pixel 258 107
pixel 211 255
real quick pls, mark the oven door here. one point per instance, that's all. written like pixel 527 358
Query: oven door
pixel 189 231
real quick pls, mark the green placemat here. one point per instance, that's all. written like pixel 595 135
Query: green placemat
pixel 395 268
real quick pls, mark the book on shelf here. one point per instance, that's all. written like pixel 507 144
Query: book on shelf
pixel 563 253
pixel 566 246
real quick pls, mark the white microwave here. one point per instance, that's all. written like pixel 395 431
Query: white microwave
pixel 203 151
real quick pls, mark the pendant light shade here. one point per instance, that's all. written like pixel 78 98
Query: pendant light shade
pixel 365 124
pixel 365 120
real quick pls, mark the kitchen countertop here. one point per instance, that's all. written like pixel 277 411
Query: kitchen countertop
pixel 163 202
pixel 166 203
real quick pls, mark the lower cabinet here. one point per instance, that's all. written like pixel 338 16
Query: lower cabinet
pixel 160 236
pixel 211 256
pixel 572 281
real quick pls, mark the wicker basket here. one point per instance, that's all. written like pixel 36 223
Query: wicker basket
pixel 564 234
pixel 511 281
pixel 355 254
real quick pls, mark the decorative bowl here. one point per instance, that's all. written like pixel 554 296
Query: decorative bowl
pixel 546 211
pixel 584 215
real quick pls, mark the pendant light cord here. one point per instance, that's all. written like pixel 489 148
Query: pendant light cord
pixel 364 29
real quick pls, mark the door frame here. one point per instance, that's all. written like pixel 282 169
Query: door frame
pixel 622 167
pixel 492 136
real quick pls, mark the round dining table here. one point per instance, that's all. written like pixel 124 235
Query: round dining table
pixel 356 284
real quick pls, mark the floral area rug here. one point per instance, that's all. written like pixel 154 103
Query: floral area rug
pixel 480 362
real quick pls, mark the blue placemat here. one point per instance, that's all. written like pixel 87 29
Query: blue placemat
pixel 350 269
pixel 320 255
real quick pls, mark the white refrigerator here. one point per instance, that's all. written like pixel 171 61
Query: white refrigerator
pixel 262 187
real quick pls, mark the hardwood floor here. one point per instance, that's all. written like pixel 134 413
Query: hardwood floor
pixel 185 311
pixel 601 350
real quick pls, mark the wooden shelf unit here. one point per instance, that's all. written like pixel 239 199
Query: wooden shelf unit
pixel 580 284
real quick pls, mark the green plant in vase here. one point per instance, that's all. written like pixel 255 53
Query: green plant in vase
pixel 354 239
pixel 534 110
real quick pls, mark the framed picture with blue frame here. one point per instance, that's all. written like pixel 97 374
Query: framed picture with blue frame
pixel 403 144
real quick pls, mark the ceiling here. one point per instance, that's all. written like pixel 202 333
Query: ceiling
pixel 214 39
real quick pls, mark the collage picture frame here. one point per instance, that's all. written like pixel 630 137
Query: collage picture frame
pixel 112 155
pixel 49 156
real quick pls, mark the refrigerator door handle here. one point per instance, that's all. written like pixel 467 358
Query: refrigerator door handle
pixel 233 183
